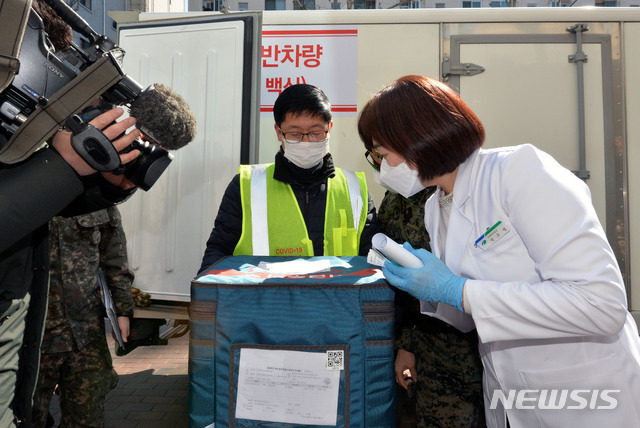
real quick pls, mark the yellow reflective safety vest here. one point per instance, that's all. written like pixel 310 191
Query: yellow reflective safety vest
pixel 272 223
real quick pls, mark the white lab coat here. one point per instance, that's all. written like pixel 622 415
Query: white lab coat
pixel 547 298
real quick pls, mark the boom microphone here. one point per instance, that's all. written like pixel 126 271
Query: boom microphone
pixel 164 116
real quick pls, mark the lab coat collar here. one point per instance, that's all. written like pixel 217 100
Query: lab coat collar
pixel 461 193
pixel 460 225
pixel 462 184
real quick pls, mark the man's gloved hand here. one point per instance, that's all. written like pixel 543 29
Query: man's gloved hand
pixel 434 282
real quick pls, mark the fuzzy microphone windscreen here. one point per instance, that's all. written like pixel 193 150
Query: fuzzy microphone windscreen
pixel 164 116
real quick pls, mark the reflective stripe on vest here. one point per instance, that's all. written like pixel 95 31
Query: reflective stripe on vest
pixel 260 229
pixel 354 194
pixel 339 238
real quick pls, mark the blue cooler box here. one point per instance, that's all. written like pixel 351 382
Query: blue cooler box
pixel 271 349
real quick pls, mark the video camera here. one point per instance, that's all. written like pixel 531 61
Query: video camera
pixel 43 72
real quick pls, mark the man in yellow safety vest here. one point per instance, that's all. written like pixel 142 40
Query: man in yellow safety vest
pixel 301 205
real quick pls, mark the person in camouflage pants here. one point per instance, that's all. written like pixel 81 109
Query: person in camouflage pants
pixel 74 352
pixel 445 365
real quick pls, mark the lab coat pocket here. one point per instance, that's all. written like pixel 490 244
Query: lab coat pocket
pixel 586 394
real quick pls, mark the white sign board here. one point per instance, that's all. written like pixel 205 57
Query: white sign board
pixel 324 56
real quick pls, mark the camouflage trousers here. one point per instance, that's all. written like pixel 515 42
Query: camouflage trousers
pixel 11 335
pixel 83 377
pixel 448 390
pixel 461 406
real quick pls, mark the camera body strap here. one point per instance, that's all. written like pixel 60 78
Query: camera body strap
pixel 14 15
pixel 73 97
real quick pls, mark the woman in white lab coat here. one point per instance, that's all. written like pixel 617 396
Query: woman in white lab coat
pixel 518 251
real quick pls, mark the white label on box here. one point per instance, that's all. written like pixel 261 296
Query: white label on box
pixel 287 386
pixel 335 360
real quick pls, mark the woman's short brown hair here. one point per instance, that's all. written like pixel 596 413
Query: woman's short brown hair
pixel 425 122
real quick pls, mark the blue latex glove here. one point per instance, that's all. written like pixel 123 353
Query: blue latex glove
pixel 434 282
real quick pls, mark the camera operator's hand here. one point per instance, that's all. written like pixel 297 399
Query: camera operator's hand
pixel 62 143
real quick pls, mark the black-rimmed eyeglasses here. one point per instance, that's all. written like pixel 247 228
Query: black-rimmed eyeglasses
pixel 374 158
pixel 297 137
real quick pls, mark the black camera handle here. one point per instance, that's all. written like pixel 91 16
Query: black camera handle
pixel 77 23
pixel 92 145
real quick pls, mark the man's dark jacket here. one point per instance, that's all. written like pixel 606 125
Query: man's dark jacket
pixel 31 193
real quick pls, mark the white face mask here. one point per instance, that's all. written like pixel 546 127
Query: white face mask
pixel 376 178
pixel 400 178
pixel 306 154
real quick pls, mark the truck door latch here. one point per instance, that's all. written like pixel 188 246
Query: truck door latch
pixel 462 69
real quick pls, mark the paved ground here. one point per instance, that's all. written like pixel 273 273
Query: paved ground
pixel 152 390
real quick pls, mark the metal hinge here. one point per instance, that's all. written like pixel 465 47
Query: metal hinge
pixel 583 174
pixel 461 69
pixel 579 56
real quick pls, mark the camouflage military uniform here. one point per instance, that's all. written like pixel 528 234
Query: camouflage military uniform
pixel 74 354
pixel 448 392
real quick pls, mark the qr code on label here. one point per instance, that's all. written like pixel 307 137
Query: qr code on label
pixel 335 360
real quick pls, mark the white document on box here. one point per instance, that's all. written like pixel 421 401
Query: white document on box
pixel 287 386
pixel 296 267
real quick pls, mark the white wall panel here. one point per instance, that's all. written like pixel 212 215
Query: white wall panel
pixel 167 226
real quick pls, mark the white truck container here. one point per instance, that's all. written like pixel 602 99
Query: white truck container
pixel 562 79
